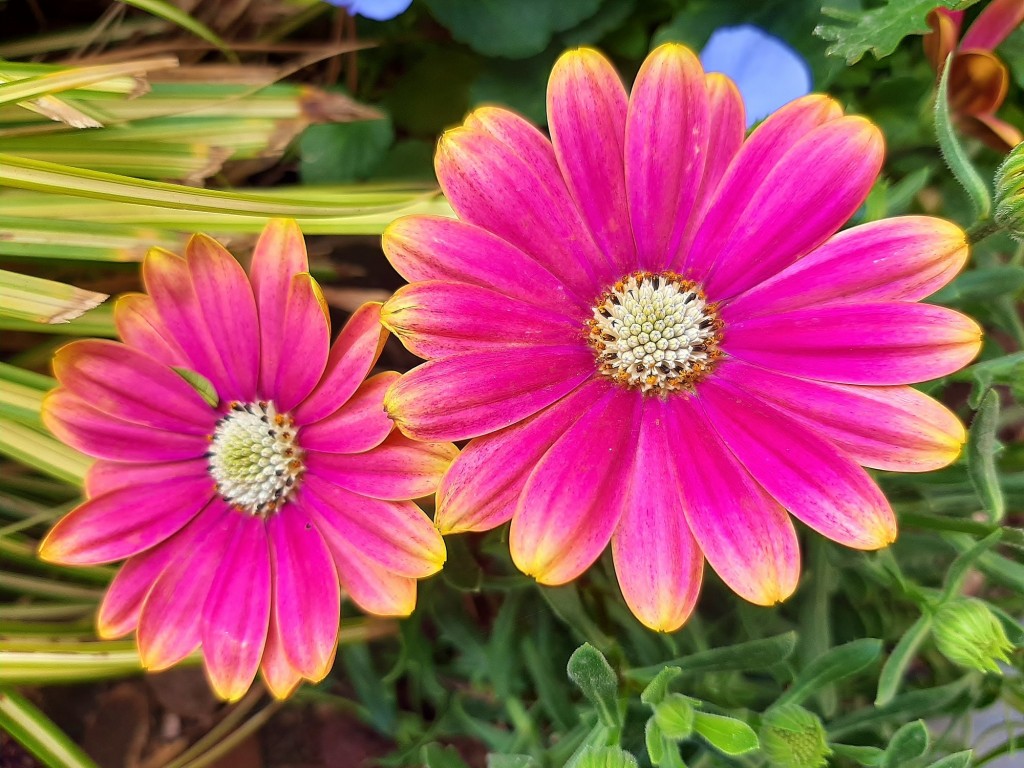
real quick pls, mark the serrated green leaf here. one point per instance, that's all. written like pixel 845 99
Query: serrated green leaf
pixel 908 743
pixel 879 30
pixel 726 734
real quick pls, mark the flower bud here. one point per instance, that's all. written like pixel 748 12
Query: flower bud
pixel 793 737
pixel 968 634
pixel 674 716
pixel 1009 189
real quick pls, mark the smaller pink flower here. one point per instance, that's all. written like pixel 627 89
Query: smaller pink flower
pixel 242 521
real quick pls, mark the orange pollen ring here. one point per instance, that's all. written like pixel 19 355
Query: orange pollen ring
pixel 655 331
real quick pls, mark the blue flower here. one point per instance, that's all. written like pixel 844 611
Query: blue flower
pixel 378 10
pixel 767 71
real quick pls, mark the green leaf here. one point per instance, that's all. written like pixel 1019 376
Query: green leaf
pixel 956 760
pixel 436 756
pixel 654 740
pixel 594 676
pixel 981 285
pixel 953 152
pixel 896 665
pixel 40 451
pixel 342 152
pixel 165 10
pixel 674 716
pixel 200 384
pixel 959 569
pixel 982 447
pixel 726 734
pixel 605 757
pixel 908 743
pixel 657 689
pixel 754 654
pixel 38 734
pixel 879 30
pixel 515 29
pixel 511 761
pixel 869 756
pixel 37 300
pixel 842 661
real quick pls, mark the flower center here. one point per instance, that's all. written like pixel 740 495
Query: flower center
pixel 655 331
pixel 254 459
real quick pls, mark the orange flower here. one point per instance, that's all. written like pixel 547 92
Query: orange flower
pixel 978 80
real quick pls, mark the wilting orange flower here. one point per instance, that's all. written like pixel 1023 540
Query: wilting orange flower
pixel 978 80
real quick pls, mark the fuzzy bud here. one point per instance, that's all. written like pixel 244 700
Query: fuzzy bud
pixel 968 634
pixel 793 737
pixel 674 716
pixel 1009 189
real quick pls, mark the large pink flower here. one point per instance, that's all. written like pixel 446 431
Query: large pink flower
pixel 241 519
pixel 657 339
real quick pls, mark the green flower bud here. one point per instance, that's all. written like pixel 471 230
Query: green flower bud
pixel 674 716
pixel 1009 188
pixel 968 634
pixel 793 737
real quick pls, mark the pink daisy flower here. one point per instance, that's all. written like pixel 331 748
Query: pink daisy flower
pixel 658 340
pixel 240 520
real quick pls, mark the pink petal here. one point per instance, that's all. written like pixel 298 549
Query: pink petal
pixel 122 604
pixel 900 259
pixel 658 564
pixel 223 291
pixel 98 434
pixel 359 425
pixel 438 319
pixel 666 145
pixel 278 673
pixel 169 627
pixel 352 357
pixel 574 497
pixel 993 25
pixel 397 536
pixel 806 474
pixel 481 489
pixel 806 198
pixel 126 521
pixel 727 127
pixel 169 283
pixel 307 598
pixel 893 428
pixel 236 612
pixel 743 532
pixel 769 142
pixel 517 192
pixel 106 476
pixel 116 379
pixel 139 324
pixel 473 394
pixel 397 469
pixel 372 587
pixel 867 343
pixel 301 348
pixel 424 248
pixel 279 255
pixel 587 119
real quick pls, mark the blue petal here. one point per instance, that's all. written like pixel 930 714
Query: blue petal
pixel 767 71
pixel 378 10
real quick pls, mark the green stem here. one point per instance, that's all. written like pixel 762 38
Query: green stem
pixel 981 230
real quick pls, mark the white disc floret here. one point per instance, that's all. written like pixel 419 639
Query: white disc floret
pixel 655 331
pixel 253 457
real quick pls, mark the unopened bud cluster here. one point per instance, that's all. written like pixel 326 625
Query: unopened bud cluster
pixel 968 634
pixel 1009 189
pixel 793 737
